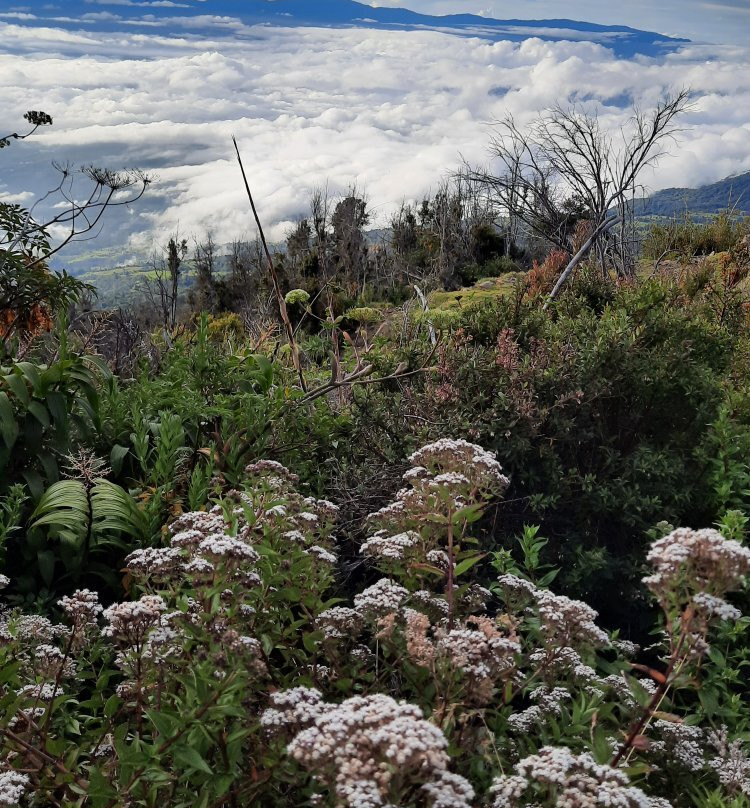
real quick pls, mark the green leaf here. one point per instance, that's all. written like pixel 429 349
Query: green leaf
pixel 468 563
pixel 8 424
pixel 31 372
pixel 46 561
pixel 18 387
pixel 117 457
pixel 190 758
pixel 39 411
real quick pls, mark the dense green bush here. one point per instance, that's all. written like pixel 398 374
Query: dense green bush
pixel 606 414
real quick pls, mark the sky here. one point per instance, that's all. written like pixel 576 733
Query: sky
pixel 393 111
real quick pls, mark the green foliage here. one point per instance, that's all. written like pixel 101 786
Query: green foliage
pixel 686 238
pixel 44 411
pixel 606 415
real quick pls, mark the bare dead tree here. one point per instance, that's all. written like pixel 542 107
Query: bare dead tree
pixel 161 291
pixel 565 166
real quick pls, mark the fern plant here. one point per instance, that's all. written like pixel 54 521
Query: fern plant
pixel 80 527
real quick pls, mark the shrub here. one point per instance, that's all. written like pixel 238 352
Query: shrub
pixel 685 238
pixel 235 673
pixel 601 413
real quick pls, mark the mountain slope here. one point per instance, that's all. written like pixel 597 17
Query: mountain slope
pixel 730 193
pixel 237 17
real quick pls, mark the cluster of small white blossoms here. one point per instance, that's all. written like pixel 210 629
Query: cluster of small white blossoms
pixel 565 623
pixel 52 664
pixel 13 786
pixel 445 475
pixel 571 781
pixel 382 598
pixel 483 654
pixel 366 747
pixel 272 498
pixel 730 762
pixel 690 562
pixel 130 622
pixel 472 462
pixel 82 609
pixel 395 546
pixel 679 743
pixel 548 704
pixel 4 581
pixel 340 622
pixel 201 550
pixel 714 608
pixel 33 695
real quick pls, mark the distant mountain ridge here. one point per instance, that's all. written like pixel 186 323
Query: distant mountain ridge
pixel 219 17
pixel 731 193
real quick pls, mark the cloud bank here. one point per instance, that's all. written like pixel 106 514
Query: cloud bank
pixel 391 111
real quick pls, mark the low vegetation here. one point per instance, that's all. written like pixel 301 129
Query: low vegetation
pixel 464 544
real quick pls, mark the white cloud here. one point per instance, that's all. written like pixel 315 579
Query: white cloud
pixel 393 111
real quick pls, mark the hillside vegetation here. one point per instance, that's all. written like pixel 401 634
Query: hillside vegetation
pixel 427 524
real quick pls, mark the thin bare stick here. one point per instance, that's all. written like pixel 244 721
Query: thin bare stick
pixel 274 277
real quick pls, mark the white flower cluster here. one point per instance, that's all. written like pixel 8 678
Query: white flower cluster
pixel 567 622
pixel 715 608
pixel 476 465
pixel 131 621
pixel 293 709
pixel 451 473
pixel 31 628
pixel 340 622
pixel 154 561
pixel 516 587
pixel 483 654
pixel 687 562
pixel 4 581
pixel 730 762
pixel 571 781
pixel 395 546
pixel 382 598
pixel 272 473
pixel 82 607
pixel 369 747
pixel 326 556
pixel 548 703
pixel 226 549
pixel 680 743
pixel 51 663
pixel 13 786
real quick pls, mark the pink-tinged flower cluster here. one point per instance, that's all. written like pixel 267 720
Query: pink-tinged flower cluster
pixel 369 749
pixel 477 648
pixel 557 776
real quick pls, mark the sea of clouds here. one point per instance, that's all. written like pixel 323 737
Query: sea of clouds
pixel 392 111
